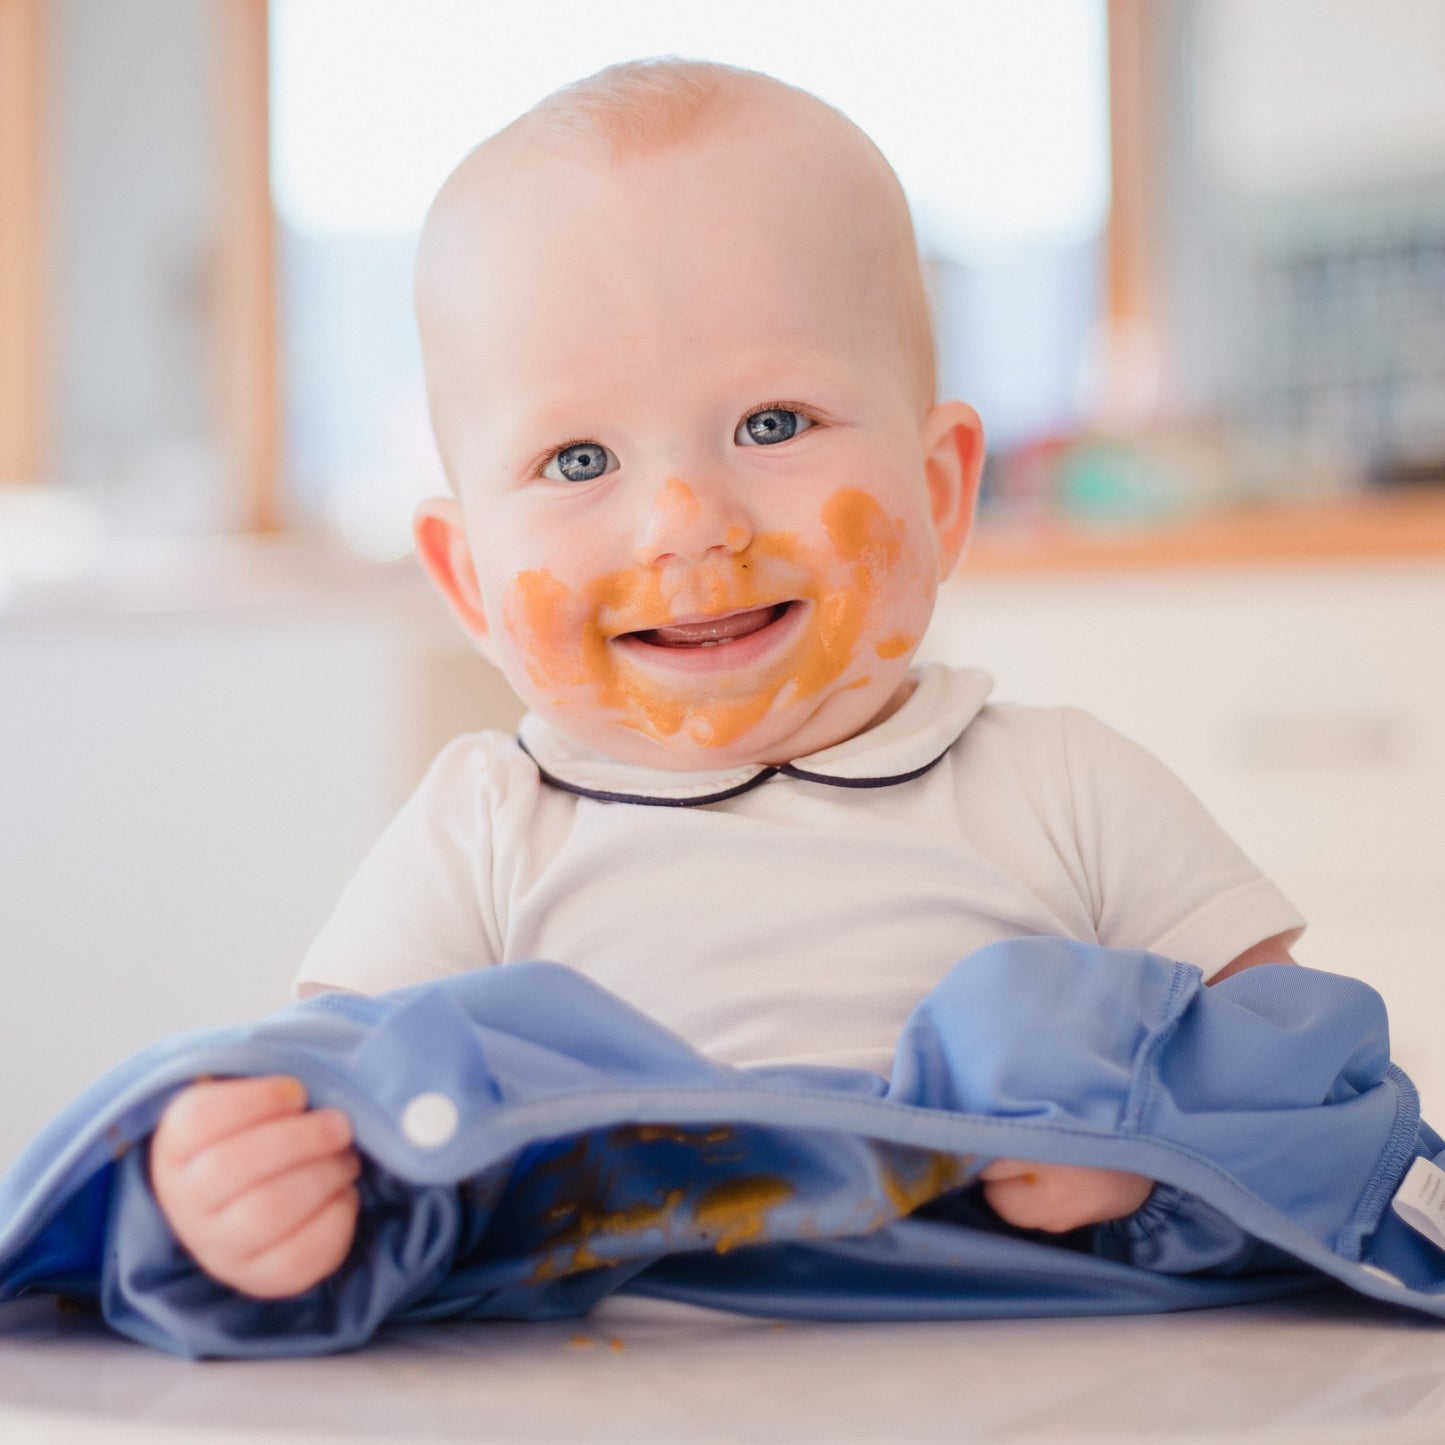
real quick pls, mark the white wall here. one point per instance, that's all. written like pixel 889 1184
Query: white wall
pixel 1310 94
pixel 182 797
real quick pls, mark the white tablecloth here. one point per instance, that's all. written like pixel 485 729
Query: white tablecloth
pixel 1319 1370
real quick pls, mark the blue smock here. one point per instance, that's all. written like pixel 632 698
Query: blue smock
pixel 532 1144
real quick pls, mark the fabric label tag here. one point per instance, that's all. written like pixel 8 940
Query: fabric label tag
pixel 1420 1201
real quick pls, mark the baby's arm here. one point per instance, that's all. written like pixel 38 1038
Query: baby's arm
pixel 257 1187
pixel 1060 1197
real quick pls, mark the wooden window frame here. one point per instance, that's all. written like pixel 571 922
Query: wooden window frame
pixel 244 321
pixel 1132 357
pixel 24 393
pixel 247 330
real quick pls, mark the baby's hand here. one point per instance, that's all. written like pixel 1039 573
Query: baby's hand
pixel 1060 1197
pixel 258 1187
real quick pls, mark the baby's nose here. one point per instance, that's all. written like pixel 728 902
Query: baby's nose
pixel 688 524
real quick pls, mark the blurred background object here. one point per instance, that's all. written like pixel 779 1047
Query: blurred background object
pixel 1142 221
pixel 1005 162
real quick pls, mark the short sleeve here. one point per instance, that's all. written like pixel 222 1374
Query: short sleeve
pixel 1164 876
pixel 421 904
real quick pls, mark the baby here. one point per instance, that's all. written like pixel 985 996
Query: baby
pixel 681 374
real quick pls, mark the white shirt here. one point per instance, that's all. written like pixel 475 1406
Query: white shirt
pixel 797 915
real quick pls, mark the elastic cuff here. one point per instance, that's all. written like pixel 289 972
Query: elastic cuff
pixel 1177 1233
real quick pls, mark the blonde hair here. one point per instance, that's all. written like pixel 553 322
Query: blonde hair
pixel 637 106
pixel 641 106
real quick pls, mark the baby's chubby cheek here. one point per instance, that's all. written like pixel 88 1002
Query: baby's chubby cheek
pixel 880 595
pixel 865 583
pixel 553 629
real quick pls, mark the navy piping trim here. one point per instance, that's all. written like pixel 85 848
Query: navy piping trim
pixel 641 798
pixel 887 782
pixel 785 769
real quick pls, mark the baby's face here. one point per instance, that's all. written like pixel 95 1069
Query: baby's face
pixel 702 501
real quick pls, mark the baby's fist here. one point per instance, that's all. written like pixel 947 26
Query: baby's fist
pixel 1060 1197
pixel 260 1189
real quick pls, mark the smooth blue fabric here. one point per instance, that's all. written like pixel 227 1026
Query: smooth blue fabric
pixel 598 1152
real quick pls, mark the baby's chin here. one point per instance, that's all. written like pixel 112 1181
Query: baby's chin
pixel 785 732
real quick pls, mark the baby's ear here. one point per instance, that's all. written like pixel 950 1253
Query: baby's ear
pixel 441 545
pixel 953 452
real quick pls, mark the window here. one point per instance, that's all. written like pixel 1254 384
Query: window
pixel 994 114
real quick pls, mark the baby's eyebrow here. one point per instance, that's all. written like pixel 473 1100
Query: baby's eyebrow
pixel 538 435
pixel 793 370
pixel 789 374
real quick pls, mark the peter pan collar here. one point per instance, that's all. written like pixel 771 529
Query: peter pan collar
pixel 906 745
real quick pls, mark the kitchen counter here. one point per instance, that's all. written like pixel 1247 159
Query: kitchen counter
pixel 1401 524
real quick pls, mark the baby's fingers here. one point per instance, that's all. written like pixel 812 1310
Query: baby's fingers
pixel 205 1114
pixel 1060 1197
pixel 243 1162
pixel 264 1218
pixel 306 1256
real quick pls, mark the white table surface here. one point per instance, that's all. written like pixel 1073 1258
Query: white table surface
pixel 1320 1370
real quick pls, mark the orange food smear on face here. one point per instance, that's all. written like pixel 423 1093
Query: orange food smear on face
pixel 565 634
pixel 536 612
pixel 894 646
pixel 676 498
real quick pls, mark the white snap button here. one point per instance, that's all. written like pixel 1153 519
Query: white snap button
pixel 1384 1275
pixel 430 1120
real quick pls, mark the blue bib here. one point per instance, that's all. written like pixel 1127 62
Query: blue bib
pixel 532 1144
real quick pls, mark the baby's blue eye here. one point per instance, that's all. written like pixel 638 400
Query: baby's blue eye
pixel 581 462
pixel 776 424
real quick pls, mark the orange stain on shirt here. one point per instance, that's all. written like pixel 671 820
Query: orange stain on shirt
pixel 566 634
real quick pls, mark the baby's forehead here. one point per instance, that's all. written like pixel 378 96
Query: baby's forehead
pixel 787 174
pixel 728 205
pixel 785 143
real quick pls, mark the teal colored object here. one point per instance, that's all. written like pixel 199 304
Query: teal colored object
pixel 1114 482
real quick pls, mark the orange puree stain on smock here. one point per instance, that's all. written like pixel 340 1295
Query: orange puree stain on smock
pixel 909 1183
pixel 583 1220
pixel 736 1211
pixel 627 1134
pixel 565 633
pixel 584 1228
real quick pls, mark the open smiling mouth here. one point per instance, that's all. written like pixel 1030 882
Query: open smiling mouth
pixel 726 629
